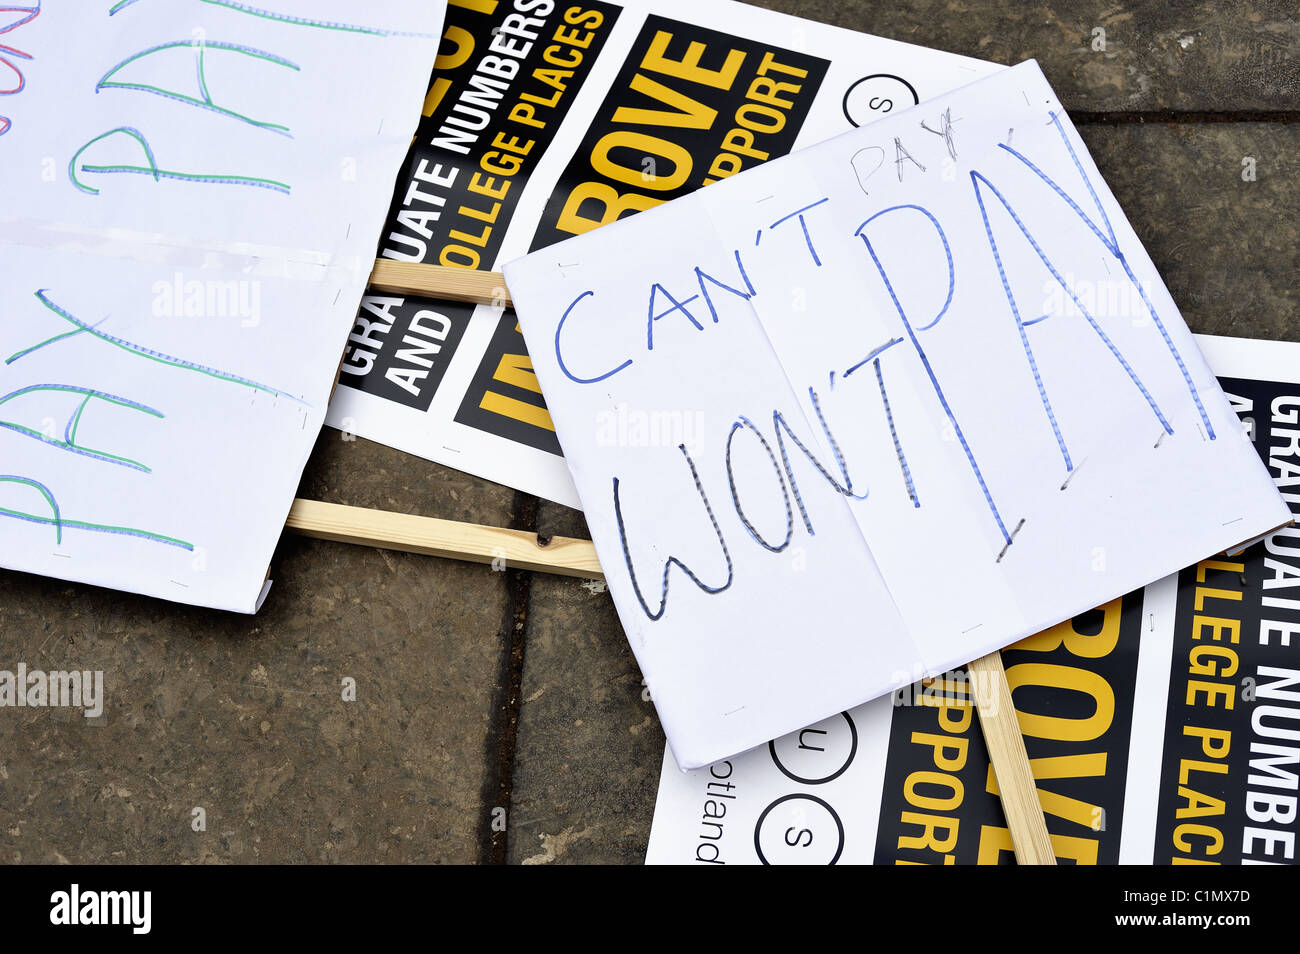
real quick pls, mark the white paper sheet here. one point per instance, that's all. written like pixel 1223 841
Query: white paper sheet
pixel 939 327
pixel 193 194
pixel 465 400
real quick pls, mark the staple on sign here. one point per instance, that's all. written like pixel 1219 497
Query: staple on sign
pixel 1010 540
pixel 1065 483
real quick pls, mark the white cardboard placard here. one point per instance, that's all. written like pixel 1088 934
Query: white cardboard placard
pixel 940 328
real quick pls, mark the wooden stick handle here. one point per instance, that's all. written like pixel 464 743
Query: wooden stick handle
pixel 439 281
pixel 515 549
pixel 1006 747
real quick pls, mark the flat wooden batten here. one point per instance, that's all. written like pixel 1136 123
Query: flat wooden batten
pixel 439 281
pixel 433 536
pixel 1006 745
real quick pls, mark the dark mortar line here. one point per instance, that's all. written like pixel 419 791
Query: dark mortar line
pixel 499 784
pixel 1122 117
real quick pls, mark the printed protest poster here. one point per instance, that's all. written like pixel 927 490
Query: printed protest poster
pixel 193 193
pixel 1163 727
pixel 546 119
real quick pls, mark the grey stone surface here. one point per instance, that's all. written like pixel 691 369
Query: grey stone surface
pixel 589 749
pixel 1228 249
pixel 244 716
pixel 558 520
pixel 1175 55
pixel 365 474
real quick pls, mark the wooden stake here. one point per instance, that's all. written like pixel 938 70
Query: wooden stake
pixel 432 536
pixel 1006 745
pixel 570 557
pixel 439 281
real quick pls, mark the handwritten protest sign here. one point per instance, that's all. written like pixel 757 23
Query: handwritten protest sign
pixel 193 194
pixel 937 333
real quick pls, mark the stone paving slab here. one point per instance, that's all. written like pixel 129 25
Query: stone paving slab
pixel 1179 55
pixel 244 717
pixel 1228 249
pixel 587 759
pixel 365 474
